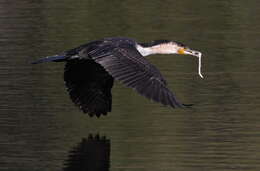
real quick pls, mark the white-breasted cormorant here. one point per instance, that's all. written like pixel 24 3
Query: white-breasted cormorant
pixel 91 68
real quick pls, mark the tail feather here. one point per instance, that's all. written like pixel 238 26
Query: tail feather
pixel 56 58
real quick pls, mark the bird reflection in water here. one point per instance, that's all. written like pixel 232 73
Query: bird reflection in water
pixel 92 154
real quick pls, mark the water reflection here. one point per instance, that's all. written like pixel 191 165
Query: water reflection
pixel 92 153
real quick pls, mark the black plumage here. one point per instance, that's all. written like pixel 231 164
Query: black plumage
pixel 91 68
pixel 154 43
pixel 89 86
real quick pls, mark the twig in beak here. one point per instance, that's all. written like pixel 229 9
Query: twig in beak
pixel 199 68
pixel 198 55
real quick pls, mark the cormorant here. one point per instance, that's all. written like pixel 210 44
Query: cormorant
pixel 91 68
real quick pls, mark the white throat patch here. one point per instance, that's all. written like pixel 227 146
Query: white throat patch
pixel 144 51
pixel 158 49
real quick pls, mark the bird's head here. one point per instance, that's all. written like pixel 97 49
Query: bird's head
pixel 166 47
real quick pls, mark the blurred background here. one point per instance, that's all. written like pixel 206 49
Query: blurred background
pixel 40 126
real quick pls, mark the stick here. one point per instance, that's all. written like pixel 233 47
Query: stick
pixel 199 68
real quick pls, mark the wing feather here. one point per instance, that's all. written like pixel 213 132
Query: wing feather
pixel 89 86
pixel 128 66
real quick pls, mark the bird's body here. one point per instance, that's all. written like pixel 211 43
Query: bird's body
pixel 91 68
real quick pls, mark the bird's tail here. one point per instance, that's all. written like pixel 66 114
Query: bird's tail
pixel 56 58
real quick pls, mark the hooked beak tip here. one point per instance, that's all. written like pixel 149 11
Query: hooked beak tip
pixel 192 52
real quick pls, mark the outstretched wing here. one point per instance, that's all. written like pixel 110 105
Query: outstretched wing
pixel 127 65
pixel 89 86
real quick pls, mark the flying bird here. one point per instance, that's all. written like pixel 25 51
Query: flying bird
pixel 91 68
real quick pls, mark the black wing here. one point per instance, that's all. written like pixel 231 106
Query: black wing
pixel 127 65
pixel 89 86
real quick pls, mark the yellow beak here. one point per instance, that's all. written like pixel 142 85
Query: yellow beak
pixel 181 51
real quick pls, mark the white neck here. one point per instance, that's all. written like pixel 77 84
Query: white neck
pixel 144 51
pixel 157 49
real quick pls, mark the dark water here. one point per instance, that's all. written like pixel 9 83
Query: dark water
pixel 40 128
